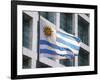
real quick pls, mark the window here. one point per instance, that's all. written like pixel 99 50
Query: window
pixel 27 31
pixel 26 62
pixel 66 22
pixel 83 30
pixel 83 58
pixel 51 16
pixel 67 62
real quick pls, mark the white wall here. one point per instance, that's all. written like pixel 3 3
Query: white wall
pixel 5 29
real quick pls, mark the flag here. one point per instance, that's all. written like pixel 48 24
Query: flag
pixel 55 42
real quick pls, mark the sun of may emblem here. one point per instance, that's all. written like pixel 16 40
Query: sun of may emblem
pixel 48 31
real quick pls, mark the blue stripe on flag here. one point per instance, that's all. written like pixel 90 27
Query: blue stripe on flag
pixel 47 51
pixel 68 36
pixel 44 42
pixel 67 43
pixel 53 52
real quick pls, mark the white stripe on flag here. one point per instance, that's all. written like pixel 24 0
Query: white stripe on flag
pixel 56 50
pixel 69 40
pixel 65 46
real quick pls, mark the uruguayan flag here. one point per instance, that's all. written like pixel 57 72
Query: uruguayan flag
pixel 57 43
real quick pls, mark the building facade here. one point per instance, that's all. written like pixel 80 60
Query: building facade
pixel 76 24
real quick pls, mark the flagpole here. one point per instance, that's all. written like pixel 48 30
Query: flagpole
pixel 75 22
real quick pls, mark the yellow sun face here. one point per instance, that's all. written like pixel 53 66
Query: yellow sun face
pixel 47 31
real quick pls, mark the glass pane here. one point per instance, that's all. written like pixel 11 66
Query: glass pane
pixel 67 62
pixel 66 22
pixel 26 62
pixel 83 58
pixel 51 16
pixel 83 30
pixel 27 30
